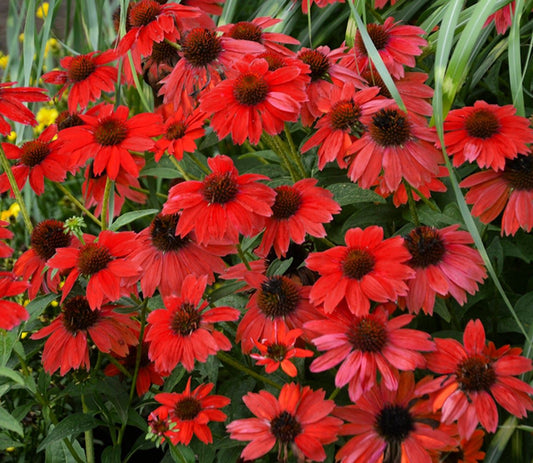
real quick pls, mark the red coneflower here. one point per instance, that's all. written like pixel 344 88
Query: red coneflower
pixel 103 262
pixel 252 99
pixel 37 159
pixel 382 3
pixel 298 420
pixel 389 423
pixel 179 133
pixel 396 145
pixel 190 412
pixel 11 104
pixel 463 450
pixel 46 237
pixel 503 18
pixel 510 191
pixel 5 250
pixel 319 3
pixel 365 345
pixel 341 123
pixel 298 209
pixel 166 259
pixel 278 300
pixel 223 205
pixel 444 265
pixel 475 376
pixel 86 76
pixel 183 332
pixel 11 313
pixel 487 134
pixel 277 351
pixel 67 347
pixel 397 46
pixel 367 268
pixel 209 6
pixel 110 137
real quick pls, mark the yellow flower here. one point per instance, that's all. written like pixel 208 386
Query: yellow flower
pixel 12 136
pixel 52 45
pixel 46 116
pixel 13 211
pixel 42 11
pixel 4 59
pixel 21 37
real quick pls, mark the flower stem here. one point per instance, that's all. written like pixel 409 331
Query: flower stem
pixel 16 191
pixel 273 144
pixel 231 361
pixel 412 204
pixel 89 441
pixel 184 174
pixel 144 190
pixel 294 153
pixel 78 204
pixel 105 203
pixel 243 257
pixel 199 164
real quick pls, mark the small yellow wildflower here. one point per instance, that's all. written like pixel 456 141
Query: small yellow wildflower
pixel 42 11
pixel 52 45
pixel 13 211
pixel 46 116
pixel 4 59
pixel 12 136
pixel 54 303
pixel 21 37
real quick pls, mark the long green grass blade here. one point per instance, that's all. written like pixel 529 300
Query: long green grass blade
pixel 44 36
pixel 28 46
pixel 515 60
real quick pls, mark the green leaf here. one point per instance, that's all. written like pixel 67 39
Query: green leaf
pixel 523 312
pixel 71 426
pixel 13 375
pixel 130 217
pixel 181 454
pixel 6 442
pixel 278 267
pixel 441 309
pixel 7 342
pixel 58 452
pixel 350 193
pixel 499 441
pixel 7 421
pixel 111 455
pixel 36 307
pixel 161 172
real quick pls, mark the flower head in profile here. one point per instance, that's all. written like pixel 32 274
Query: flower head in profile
pixel 184 331
pixel 444 263
pixel 365 345
pixel 223 205
pixel 367 268
pixel 476 376
pixel 11 107
pixel 85 76
pixel 510 191
pixel 298 210
pixel 68 345
pixel 487 134
pixel 389 424
pixel 190 412
pixel 298 420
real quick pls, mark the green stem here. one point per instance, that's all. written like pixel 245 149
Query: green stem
pixel 89 441
pixel 294 153
pixel 412 203
pixel 78 204
pixel 243 257
pixel 119 366
pixel 334 394
pixel 144 190
pixel 231 361
pixel 16 191
pixel 280 152
pixel 425 200
pixel 184 174
pixel 199 164
pixel 105 202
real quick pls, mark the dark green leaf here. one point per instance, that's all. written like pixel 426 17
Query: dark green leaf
pixel 71 426
pixel 130 217
pixel 181 454
pixel 9 422
pixel 350 193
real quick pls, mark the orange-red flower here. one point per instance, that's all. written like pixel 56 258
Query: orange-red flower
pixel 476 376
pixel 11 104
pixel 12 314
pixel 502 18
pixel 367 268
pixel 487 134
pixel 298 419
pixel 187 413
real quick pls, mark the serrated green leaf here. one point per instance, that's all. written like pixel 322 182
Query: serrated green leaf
pixel 128 217
pixel 9 422
pixel 71 426
pixel 350 193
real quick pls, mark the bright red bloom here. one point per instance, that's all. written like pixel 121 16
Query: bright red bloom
pixel 510 191
pixel 398 145
pixel 397 46
pixel 257 99
pixel 11 104
pixel 5 250
pixel 180 133
pixel 110 136
pixel 278 300
pixel 319 3
pixel 86 76
pixel 277 351
pixel 367 268
pixel 392 423
pixel 463 450
pixel 205 57
pixel 103 262
pixel 46 237
pixel 37 159
pixel 475 376
pixel 67 347
pixel 341 123
pixel 11 313
pixel 183 332
pixel 503 18
pixel 223 205
pixel 166 259
pixel 299 209
pixel 382 3
pixel 444 265
pixel 365 345
pixel 190 412
pixel 487 134
pixel 298 418
pixel 209 6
